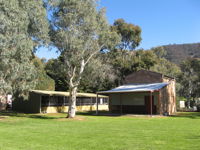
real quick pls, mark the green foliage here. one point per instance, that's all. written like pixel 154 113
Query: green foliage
pixel 144 60
pixel 44 82
pixel 121 61
pixel 166 67
pixel 159 51
pixel 79 31
pixel 23 27
pixel 98 76
pixel 125 62
pixel 54 69
pixel 130 34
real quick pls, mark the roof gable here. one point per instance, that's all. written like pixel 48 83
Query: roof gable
pixel 145 76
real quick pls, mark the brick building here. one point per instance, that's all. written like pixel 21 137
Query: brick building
pixel 144 92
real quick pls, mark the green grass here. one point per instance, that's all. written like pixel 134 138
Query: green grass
pixel 88 132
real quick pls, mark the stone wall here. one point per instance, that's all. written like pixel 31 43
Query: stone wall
pixel 168 99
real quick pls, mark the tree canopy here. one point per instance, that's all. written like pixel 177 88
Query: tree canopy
pixel 130 34
pixel 79 31
pixel 44 82
pixel 190 78
pixel 23 28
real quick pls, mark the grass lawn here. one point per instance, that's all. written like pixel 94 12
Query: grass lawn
pixel 88 132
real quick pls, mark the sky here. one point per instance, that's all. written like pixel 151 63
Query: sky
pixel 162 21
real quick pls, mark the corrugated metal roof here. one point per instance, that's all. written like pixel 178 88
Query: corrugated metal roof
pixel 58 93
pixel 137 88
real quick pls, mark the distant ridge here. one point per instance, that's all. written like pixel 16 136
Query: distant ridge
pixel 176 53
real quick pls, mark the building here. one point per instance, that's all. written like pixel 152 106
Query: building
pixel 53 102
pixel 144 92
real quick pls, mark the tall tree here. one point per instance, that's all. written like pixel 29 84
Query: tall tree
pixel 79 31
pixel 125 62
pixel 130 34
pixel 120 57
pixel 23 27
pixel 190 78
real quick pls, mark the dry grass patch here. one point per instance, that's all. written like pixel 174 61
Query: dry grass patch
pixel 77 118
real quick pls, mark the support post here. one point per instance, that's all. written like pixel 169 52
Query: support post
pixel 159 102
pixel 97 111
pixel 120 96
pixel 49 101
pixel 40 103
pixel 151 103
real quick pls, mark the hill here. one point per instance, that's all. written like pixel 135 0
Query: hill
pixel 179 52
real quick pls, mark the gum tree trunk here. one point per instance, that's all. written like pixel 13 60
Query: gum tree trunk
pixel 72 103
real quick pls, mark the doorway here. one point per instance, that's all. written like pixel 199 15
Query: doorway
pixel 148 105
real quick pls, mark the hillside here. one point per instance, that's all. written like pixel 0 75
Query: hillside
pixel 179 52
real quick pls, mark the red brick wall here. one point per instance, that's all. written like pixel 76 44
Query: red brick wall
pixel 143 76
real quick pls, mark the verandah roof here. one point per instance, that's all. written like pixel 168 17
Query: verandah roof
pixel 136 88
pixel 59 93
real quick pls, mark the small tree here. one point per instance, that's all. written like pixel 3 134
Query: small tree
pixel 79 31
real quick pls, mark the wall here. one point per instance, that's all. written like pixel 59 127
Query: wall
pixel 32 105
pixel 168 99
pixel 53 109
pixel 131 98
pixel 131 102
pixel 143 76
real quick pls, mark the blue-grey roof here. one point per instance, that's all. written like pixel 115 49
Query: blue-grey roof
pixel 137 88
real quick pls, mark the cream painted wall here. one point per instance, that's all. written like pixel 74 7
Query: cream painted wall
pixel 131 98
pixel 52 109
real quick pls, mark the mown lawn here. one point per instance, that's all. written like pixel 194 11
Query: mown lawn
pixel 88 132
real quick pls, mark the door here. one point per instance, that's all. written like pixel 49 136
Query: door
pixel 148 104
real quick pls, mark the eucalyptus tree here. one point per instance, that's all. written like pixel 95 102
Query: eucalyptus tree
pixel 190 78
pixel 23 26
pixel 79 30
pixel 130 33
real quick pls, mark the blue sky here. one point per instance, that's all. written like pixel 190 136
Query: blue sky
pixel 162 21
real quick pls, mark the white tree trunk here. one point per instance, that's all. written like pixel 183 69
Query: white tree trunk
pixel 72 103
pixel 73 90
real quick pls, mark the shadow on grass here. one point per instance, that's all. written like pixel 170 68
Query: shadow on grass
pixel 88 113
pixel 191 115
pixel 36 116
pixel 53 116
pixel 100 113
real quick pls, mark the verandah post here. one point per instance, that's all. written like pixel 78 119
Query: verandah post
pixel 151 103
pixel 120 96
pixel 159 101
pixel 97 111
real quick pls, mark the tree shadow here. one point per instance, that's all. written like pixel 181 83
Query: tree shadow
pixel 100 113
pixel 35 116
pixel 191 115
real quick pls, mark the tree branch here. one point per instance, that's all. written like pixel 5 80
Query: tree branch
pixel 72 77
pixel 90 57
